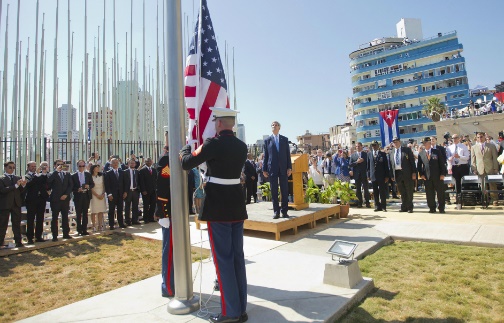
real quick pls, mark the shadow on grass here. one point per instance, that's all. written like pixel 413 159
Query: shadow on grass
pixel 40 257
pixel 381 293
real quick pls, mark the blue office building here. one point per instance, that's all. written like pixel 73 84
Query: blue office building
pixel 403 72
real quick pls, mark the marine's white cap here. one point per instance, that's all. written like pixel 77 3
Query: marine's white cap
pixel 223 113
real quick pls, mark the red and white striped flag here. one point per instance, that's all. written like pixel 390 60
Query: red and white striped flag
pixel 205 82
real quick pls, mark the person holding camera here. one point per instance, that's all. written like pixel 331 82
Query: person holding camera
pixel 82 185
pixel 60 183
pixel 35 200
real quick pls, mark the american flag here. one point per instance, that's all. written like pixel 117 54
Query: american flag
pixel 205 87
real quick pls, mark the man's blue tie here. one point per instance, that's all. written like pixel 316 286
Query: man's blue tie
pixel 397 158
pixel 276 143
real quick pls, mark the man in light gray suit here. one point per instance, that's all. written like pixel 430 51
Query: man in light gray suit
pixel 484 162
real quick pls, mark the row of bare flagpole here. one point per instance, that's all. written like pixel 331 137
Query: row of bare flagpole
pixel 116 106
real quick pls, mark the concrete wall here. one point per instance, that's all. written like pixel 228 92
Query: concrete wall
pixel 491 124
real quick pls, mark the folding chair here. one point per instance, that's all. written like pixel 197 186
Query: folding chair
pixel 471 193
pixel 450 180
pixel 497 179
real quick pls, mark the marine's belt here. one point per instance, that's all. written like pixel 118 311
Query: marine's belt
pixel 223 181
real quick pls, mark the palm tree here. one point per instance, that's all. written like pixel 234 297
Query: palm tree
pixel 434 109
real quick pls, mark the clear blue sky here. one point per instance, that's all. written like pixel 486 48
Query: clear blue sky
pixel 291 56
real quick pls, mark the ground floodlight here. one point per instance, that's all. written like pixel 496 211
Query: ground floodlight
pixel 342 249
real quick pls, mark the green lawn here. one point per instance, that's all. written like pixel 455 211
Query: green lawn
pixel 433 282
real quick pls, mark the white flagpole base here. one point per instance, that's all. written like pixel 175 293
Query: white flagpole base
pixel 181 307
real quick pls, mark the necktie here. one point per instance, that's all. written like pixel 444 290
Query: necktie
pixel 428 154
pixel 12 179
pixel 375 153
pixel 482 149
pixel 81 178
pixel 276 143
pixel 116 173
pixel 456 159
pixel 62 176
pixel 134 179
pixel 150 170
pixel 397 158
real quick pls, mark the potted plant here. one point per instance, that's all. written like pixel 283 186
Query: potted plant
pixel 312 193
pixel 434 109
pixel 345 193
pixel 266 191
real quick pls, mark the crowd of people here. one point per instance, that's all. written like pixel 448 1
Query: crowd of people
pixel 114 189
pixel 401 169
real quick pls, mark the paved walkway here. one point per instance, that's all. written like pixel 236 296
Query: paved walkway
pixel 285 277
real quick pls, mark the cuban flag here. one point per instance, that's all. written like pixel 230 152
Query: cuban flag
pixel 389 126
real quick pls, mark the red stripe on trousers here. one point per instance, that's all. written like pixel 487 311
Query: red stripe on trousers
pixel 190 91
pixel 170 263
pixel 223 302
pixel 209 102
pixel 190 70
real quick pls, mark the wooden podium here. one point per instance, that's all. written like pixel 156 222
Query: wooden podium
pixel 299 165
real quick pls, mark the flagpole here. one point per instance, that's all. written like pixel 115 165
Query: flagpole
pixel 184 301
pixel 84 115
pixel 36 113
pixel 198 77
pixel 16 82
pixel 55 85
pixel 234 84
pixel 3 121
pixel 69 82
pixel 41 89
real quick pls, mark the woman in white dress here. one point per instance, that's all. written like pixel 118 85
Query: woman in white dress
pixel 98 204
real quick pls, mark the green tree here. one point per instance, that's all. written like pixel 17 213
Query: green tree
pixel 434 109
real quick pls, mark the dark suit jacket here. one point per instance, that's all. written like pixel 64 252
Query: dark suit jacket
pixel 408 166
pixel 127 179
pixel 276 161
pixel 359 170
pixel 59 188
pixel 10 196
pixel 250 170
pixel 433 168
pixel 147 180
pixel 378 168
pixel 114 186
pixel 36 187
pixel 88 179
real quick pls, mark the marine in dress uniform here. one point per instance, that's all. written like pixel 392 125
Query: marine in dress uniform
pixel 403 172
pixel 378 174
pixel 163 209
pixel 224 210
pixel 432 169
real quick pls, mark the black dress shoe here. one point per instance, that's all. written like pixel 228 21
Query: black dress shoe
pixel 30 241
pixel 368 205
pixel 122 226
pixel 432 211
pixel 378 209
pixel 410 211
pixel 442 211
pixel 224 319
pixel 112 228
pixel 54 239
pixel 67 237
pixel 19 245
pixel 285 216
pixel 244 317
pixel 136 223
pixel 384 210
pixel 358 206
pixel 277 216
pixel 401 210
pixel 84 233
pixel 39 240
pixel 128 224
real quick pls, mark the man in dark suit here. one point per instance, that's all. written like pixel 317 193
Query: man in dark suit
pixel 60 183
pixel 147 177
pixel 11 188
pixel 114 187
pixel 443 152
pixel 35 200
pixel 403 173
pixel 277 167
pixel 82 185
pixel 358 166
pixel 378 174
pixel 251 178
pixel 131 191
pixel 432 169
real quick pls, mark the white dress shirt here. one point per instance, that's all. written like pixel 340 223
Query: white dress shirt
pixel 462 151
